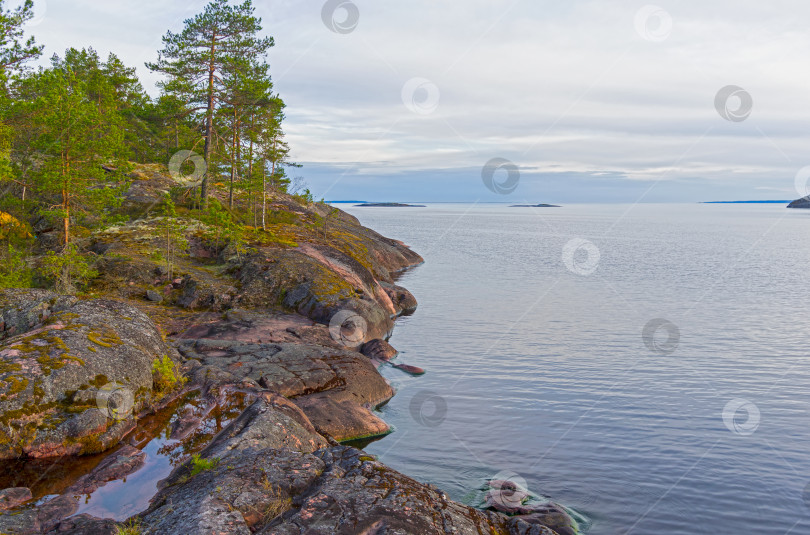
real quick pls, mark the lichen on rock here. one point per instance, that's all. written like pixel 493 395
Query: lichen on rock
pixel 52 385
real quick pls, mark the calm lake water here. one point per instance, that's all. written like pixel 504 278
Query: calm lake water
pixel 537 363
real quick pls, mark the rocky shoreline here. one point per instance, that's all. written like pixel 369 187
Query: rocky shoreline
pixel 249 365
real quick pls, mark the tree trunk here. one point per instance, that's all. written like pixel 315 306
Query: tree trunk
pixel 233 157
pixel 66 220
pixel 209 124
pixel 250 163
pixel 250 169
pixel 66 199
pixel 169 248
pixel 273 172
pixel 264 194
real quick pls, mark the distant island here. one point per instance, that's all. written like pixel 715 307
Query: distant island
pixel 804 202
pixel 535 206
pixel 745 202
pixel 391 205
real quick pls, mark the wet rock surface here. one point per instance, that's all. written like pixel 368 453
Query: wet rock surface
pixel 86 525
pixel 13 497
pixel 268 472
pixel 336 490
pixel 271 422
pixel 403 300
pixel 274 469
pixel 45 517
pixel 379 349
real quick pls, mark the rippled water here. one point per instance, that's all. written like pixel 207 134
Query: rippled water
pixel 542 371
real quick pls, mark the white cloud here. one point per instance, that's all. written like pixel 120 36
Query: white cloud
pixel 568 87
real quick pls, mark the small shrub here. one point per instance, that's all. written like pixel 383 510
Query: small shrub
pixel 305 197
pixel 68 270
pixel 165 374
pixel 15 272
pixel 132 527
pixel 281 217
pixel 199 465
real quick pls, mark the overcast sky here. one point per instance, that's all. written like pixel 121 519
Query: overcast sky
pixel 605 100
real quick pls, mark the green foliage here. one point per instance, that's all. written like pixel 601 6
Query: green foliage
pixel 68 270
pixel 74 133
pixel 6 134
pixel 280 217
pixel 15 268
pixel 132 527
pixel 324 221
pixel 222 221
pixel 14 52
pixel 199 465
pixel 165 374
pixel 69 130
pixel 15 244
pixel 305 197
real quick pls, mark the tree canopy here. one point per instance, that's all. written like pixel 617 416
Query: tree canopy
pixel 71 130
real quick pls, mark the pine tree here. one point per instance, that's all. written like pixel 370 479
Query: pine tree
pixel 196 61
pixel 14 52
pixel 75 139
pixel 249 92
pixel 275 152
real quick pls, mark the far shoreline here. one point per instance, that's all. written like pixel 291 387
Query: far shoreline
pixel 388 205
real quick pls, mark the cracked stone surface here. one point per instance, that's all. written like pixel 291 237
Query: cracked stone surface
pixel 336 388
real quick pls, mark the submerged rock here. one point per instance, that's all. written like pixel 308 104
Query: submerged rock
pixel 551 515
pixel 407 368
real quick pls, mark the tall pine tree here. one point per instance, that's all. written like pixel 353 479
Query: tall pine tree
pixel 196 61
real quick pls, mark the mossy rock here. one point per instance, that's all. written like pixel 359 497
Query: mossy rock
pixel 68 385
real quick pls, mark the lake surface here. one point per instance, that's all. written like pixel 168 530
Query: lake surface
pixel 538 365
